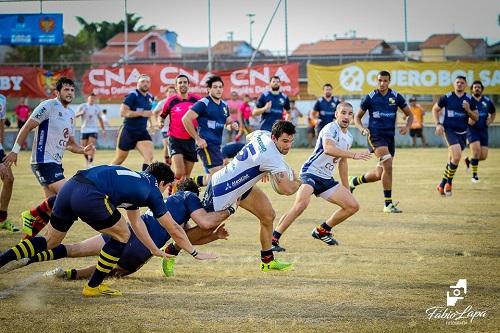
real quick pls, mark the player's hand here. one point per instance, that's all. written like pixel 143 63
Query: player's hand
pixel 466 106
pixel 439 130
pixel 162 254
pixel 89 149
pixel 221 232
pixel 268 106
pixel 265 179
pixel 365 131
pixel 10 159
pixel 403 130
pixel 472 122
pixel 201 143
pixel 364 155
pixel 205 256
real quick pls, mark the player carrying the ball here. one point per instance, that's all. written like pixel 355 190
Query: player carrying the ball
pixel 332 148
pixel 237 181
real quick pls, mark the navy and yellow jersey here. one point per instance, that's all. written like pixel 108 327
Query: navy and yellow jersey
pixel 485 107
pixel 127 188
pixel 382 110
pixel 211 119
pixel 455 116
pixel 138 102
pixel 326 109
pixel 180 205
pixel 280 102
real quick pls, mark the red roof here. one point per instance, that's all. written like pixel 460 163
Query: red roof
pixel 474 42
pixel 438 41
pixel 133 37
pixel 226 47
pixel 339 46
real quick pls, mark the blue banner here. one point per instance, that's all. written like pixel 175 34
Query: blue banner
pixel 31 29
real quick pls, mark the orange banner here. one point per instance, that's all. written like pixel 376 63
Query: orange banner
pixel 112 82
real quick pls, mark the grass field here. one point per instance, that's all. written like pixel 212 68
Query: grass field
pixel 387 271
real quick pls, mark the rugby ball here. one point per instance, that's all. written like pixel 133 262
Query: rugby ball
pixel 291 176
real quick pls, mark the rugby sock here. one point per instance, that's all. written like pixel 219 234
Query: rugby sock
pixel 3 215
pixel 452 168
pixel 474 162
pixel 199 180
pixel 26 248
pixel 445 176
pixel 324 229
pixel 109 256
pixel 359 180
pixel 171 249
pixel 42 211
pixel 387 197
pixel 91 159
pixel 56 253
pixel 267 256
pixel 276 236
pixel 144 166
pixel 72 274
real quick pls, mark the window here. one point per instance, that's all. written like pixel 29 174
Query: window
pixel 152 49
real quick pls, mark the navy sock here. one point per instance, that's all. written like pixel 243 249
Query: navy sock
pixel 276 235
pixel 359 180
pixel 109 256
pixel 144 166
pixel 387 197
pixel 54 254
pixel 171 249
pixel 267 256
pixel 26 248
pixel 452 168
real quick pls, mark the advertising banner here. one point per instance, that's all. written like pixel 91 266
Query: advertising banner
pixel 428 78
pixel 113 82
pixel 31 29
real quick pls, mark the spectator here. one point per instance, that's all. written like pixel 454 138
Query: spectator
pixel 234 105
pixel 246 113
pixel 416 129
pixel 22 115
pixel 294 114
pixel 105 119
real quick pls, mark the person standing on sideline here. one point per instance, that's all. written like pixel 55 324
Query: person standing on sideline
pixel 22 115
pixel 246 113
pixel 136 111
pixel 294 114
pixel 271 105
pixel 54 121
pixel 417 127
pixel 324 108
pixel 5 174
pixel 382 105
pixel 234 106
pixel 91 115
pixel 477 132
pixel 459 107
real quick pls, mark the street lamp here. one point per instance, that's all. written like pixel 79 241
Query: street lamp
pixel 251 21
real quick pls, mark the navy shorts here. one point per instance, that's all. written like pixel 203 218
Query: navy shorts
pixel 230 150
pixel 184 147
pixel 164 135
pixel 48 173
pixel 416 132
pixel 128 138
pixel 475 134
pixel 322 187
pixel 211 156
pixel 378 140
pixel 73 202
pixel 454 138
pixel 134 255
pixel 86 136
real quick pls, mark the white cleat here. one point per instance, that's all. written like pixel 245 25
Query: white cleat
pixel 56 272
pixel 475 180
pixel 15 264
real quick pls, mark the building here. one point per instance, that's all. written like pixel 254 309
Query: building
pixel 443 47
pixel 350 47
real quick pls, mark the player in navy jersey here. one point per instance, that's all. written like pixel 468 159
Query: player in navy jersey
pixel 324 108
pixel 271 105
pixel 136 109
pixel 105 188
pixel 458 107
pixel 212 115
pixel 477 132
pixel 183 205
pixel 382 105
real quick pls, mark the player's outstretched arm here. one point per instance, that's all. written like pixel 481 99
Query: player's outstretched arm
pixel 211 220
pixel 180 238
pixel 334 151
pixel 142 233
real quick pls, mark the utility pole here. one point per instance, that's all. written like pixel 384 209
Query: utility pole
pixel 286 31
pixel 251 22
pixel 125 32
pixel 41 46
pixel 406 31
pixel 209 38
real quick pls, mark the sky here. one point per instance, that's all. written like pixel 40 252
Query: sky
pixel 308 21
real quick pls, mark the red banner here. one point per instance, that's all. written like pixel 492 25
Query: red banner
pixel 29 81
pixel 112 82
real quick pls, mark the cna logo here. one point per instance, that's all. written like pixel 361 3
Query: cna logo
pixel 457 291
pixel 352 78
pixel 454 316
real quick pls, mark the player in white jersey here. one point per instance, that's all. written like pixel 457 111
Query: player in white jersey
pixel 5 174
pixel 236 181
pixel 332 148
pixel 169 92
pixel 91 114
pixel 54 122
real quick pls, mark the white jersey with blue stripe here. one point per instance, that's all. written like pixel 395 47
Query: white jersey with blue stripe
pixel 321 164
pixel 56 126
pixel 258 156
pixel 90 117
pixel 3 107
